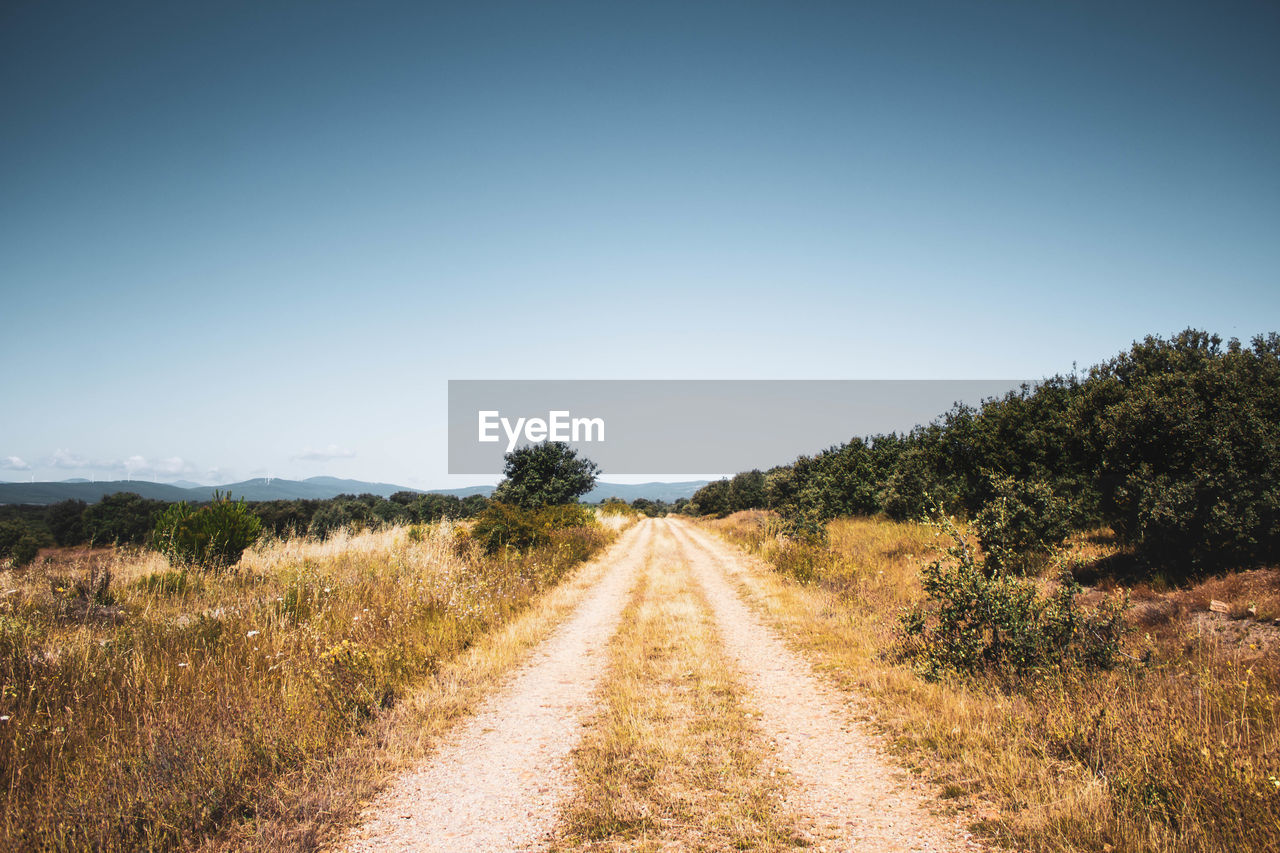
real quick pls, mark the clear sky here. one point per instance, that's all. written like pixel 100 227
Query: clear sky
pixel 239 237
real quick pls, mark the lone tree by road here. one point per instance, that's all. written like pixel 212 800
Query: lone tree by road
pixel 546 473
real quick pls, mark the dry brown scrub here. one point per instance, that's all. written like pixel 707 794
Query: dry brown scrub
pixel 166 708
pixel 1179 753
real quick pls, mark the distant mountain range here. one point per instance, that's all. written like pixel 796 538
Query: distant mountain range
pixel 275 489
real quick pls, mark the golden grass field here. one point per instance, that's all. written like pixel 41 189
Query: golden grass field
pixel 162 709
pixel 1177 753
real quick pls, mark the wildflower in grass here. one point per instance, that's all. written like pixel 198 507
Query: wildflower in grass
pixel 5 718
pixel 253 633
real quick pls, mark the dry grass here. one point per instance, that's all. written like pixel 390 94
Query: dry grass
pixel 1181 753
pixel 674 760
pixel 173 707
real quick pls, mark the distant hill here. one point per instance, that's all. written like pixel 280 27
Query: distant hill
pixel 316 488
pixel 51 493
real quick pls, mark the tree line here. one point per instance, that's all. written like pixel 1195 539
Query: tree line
pixel 1174 444
pixel 126 518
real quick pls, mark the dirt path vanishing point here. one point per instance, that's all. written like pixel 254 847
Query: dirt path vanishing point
pixel 498 780
pixel 855 797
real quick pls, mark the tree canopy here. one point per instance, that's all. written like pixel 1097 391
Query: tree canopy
pixel 543 474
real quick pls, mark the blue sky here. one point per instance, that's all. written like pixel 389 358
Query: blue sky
pixel 249 237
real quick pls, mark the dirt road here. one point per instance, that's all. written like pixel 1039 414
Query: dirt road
pixel 500 781
pixel 855 798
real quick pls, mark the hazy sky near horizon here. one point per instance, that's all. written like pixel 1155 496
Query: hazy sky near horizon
pixel 241 237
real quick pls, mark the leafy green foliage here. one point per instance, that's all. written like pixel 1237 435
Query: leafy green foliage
pixel 1022 524
pixel 124 518
pixel 213 536
pixel 977 619
pixel 712 499
pixel 1186 436
pixel 18 542
pixel 128 519
pixel 1174 444
pixel 545 473
pixel 503 525
pixel 66 522
pixel 748 490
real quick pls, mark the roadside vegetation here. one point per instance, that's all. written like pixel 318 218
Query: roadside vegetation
pixel 1064 603
pixel 125 518
pixel 1174 446
pixel 1172 745
pixel 154 698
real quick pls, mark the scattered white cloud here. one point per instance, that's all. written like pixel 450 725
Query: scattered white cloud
pixel 174 465
pixel 132 466
pixel 14 463
pixel 140 466
pixel 63 458
pixel 331 452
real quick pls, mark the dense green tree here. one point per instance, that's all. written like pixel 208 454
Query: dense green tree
pixel 746 491
pixel 543 474
pixel 286 517
pixel 712 499
pixel 1175 444
pixel 124 518
pixel 1186 441
pixel 66 522
pixel 328 519
pixel 19 542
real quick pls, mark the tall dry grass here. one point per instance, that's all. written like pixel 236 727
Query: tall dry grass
pixel 157 709
pixel 1177 752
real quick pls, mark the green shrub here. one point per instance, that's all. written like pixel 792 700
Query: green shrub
pixel 24 550
pixel 503 525
pixel 172 583
pixel 212 536
pixel 975 619
pixel 1021 526
pixel 66 521
pixel 18 542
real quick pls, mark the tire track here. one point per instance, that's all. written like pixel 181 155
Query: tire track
pixel 498 780
pixel 856 798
